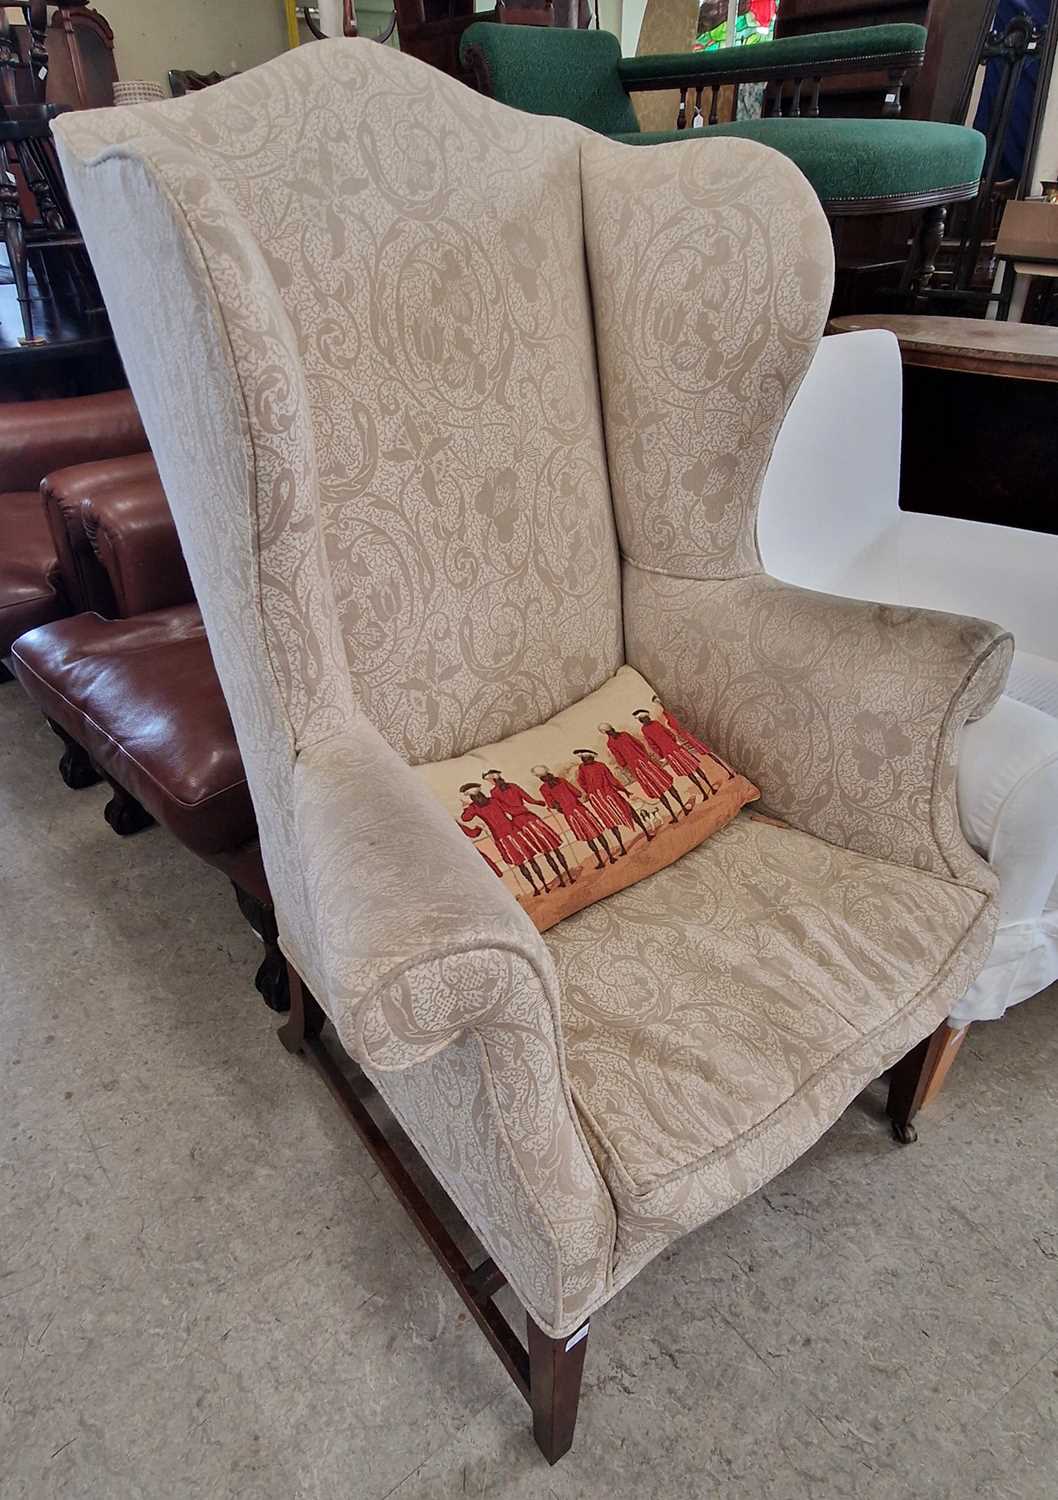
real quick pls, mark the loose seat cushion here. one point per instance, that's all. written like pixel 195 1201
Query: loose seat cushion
pixel 29 584
pixel 603 794
pixel 143 698
pixel 718 1016
pixel 849 161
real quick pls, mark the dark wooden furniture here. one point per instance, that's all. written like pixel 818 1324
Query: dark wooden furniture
pixel 187 81
pixel 792 86
pixel 957 29
pixel 73 354
pixel 980 415
pixel 38 224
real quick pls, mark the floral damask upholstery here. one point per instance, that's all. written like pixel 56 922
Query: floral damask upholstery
pixel 457 410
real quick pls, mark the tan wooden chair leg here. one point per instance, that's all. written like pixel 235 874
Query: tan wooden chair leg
pixel 918 1078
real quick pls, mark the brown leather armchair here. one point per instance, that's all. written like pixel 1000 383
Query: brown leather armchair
pixel 35 438
pixel 128 684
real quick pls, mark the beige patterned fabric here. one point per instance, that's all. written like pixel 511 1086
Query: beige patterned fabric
pixel 353 302
pixel 722 1013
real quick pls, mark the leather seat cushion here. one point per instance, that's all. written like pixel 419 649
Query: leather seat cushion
pixel 143 698
pixel 29 586
pixel 719 1016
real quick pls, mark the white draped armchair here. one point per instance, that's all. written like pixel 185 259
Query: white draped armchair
pixel 458 410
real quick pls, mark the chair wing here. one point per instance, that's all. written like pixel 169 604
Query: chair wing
pixel 710 300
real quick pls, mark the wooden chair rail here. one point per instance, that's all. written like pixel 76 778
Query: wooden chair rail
pixel 548 1372
pixel 785 87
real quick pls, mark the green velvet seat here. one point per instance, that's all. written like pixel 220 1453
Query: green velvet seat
pixel 860 161
pixel 855 166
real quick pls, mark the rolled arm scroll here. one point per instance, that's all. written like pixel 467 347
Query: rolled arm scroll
pixel 417 939
pixel 846 714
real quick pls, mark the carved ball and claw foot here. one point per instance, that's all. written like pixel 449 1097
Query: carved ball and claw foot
pixel 271 980
pixel 125 815
pixel 75 765
pixel 907 1135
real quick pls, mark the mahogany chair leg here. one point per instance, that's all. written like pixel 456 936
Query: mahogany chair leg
pixel 75 765
pixel 305 1020
pixel 555 1370
pixel 271 980
pixel 918 1077
pixel 124 814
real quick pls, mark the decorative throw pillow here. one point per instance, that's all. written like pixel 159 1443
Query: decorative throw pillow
pixel 605 793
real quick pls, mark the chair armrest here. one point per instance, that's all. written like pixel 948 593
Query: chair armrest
pixel 860 49
pixel 846 714
pixel 63 492
pixel 1008 803
pixel 39 436
pixel 417 940
pixel 132 533
pixel 438 983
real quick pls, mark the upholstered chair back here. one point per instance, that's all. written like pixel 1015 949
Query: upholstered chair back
pixel 405 273
pixel 354 303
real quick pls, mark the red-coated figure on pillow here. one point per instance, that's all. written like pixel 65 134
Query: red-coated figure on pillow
pixel 513 848
pixel 687 738
pixel 475 833
pixel 680 761
pixel 514 801
pixel 563 797
pixel 634 757
pixel 606 798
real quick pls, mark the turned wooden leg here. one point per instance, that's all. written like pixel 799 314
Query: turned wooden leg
pixel 75 766
pixel 930 239
pixel 271 979
pixel 306 1018
pixel 555 1370
pixel 918 1077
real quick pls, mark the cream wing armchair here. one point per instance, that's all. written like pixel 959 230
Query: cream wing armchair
pixel 455 420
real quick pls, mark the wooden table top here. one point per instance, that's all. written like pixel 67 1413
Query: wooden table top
pixel 1015 351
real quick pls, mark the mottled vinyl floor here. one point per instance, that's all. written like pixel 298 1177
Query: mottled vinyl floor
pixel 206 1290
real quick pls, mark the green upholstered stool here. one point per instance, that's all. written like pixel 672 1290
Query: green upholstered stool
pixel 856 166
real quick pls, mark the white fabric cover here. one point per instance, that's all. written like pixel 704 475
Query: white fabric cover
pixel 817 529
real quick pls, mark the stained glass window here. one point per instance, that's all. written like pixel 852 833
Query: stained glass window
pixel 754 22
